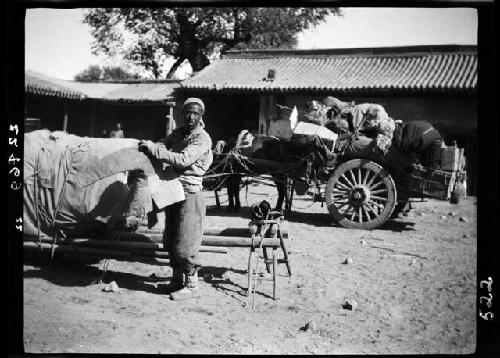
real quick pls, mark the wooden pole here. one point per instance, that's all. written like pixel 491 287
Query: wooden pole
pixel 92 118
pixel 262 114
pixel 98 251
pixel 73 249
pixel 170 120
pixel 235 241
pixel 130 245
pixel 222 241
pixel 92 251
pixel 208 240
pixel 214 231
pixel 65 121
pixel 136 245
pixel 275 275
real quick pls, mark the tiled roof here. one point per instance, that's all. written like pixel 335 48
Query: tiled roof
pixel 415 69
pixel 137 91
pixel 37 83
pixel 129 92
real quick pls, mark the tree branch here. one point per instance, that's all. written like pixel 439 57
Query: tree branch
pixel 175 66
pixel 205 41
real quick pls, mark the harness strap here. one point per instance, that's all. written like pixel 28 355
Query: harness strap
pixel 427 131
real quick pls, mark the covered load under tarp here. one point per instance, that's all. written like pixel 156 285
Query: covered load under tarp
pixel 292 128
pixel 72 184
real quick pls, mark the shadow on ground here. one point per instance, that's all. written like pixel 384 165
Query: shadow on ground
pixel 315 219
pixel 81 272
pixel 325 220
pixel 217 277
pixel 243 212
pixel 70 271
pixel 397 225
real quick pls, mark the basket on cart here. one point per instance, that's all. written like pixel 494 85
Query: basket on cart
pixel 437 184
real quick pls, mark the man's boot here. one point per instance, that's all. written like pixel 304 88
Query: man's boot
pixel 177 281
pixel 237 204
pixel 189 290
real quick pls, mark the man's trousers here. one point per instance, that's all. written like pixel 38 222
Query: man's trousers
pixel 184 232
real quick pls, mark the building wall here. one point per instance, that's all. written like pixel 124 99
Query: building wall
pixel 453 115
pixel 229 113
pixel 226 114
pixel 90 118
pixel 141 121
pixel 51 112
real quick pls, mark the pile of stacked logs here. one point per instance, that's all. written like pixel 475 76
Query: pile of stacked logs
pixel 143 243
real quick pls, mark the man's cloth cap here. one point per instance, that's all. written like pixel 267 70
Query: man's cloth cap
pixel 195 101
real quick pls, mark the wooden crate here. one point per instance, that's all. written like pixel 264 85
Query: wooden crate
pixel 437 185
pixel 451 158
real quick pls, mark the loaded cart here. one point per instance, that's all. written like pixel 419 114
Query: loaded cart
pixel 361 189
pixel 365 192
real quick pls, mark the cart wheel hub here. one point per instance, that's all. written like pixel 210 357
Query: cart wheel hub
pixel 360 194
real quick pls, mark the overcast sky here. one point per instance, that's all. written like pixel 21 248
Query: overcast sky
pixel 58 44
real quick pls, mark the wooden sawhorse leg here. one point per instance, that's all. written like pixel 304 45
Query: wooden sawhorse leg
pixel 271 263
pixel 250 270
pixel 275 274
pixel 285 259
pixel 217 201
pixel 266 259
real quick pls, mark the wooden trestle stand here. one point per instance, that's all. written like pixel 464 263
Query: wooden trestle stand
pixel 266 234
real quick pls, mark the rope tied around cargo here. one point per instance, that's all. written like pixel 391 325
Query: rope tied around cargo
pixel 37 203
pixel 105 263
pixel 348 138
pixel 56 210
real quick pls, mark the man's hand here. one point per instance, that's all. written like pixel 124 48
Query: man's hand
pixel 146 146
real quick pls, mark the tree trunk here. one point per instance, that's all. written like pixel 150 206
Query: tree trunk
pixel 156 71
pixel 190 47
pixel 198 59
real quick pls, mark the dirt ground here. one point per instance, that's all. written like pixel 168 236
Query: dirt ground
pixel 412 284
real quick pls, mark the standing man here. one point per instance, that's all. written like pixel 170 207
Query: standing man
pixel 117 132
pixel 420 140
pixel 188 150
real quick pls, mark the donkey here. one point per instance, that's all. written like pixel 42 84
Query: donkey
pixel 232 182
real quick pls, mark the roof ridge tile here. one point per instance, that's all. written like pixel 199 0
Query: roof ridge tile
pixel 428 71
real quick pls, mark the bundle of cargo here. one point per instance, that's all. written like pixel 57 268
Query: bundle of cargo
pixel 296 129
pixel 452 158
pixel 76 185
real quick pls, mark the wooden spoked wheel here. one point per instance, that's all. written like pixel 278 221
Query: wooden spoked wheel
pixel 360 194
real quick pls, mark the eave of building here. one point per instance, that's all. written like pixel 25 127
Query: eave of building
pixel 415 69
pixel 130 92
